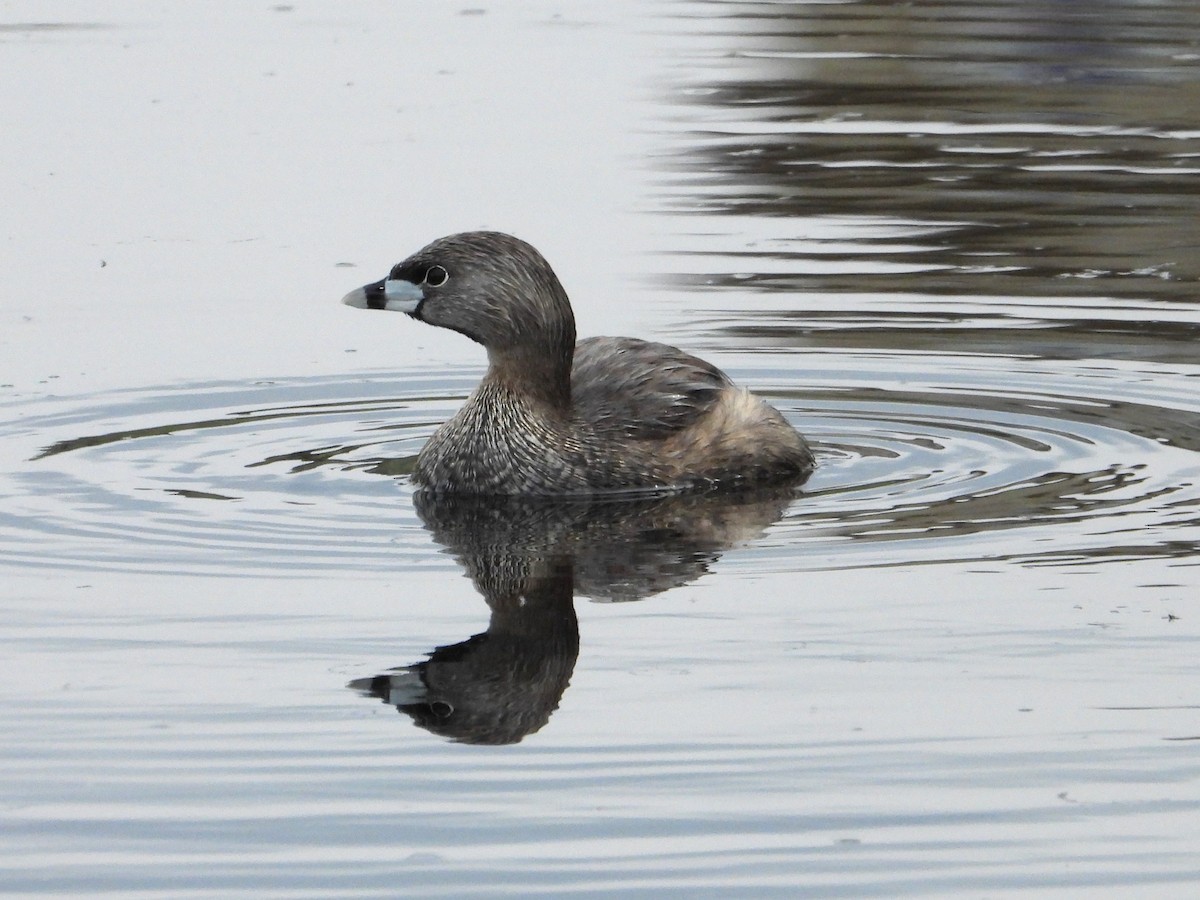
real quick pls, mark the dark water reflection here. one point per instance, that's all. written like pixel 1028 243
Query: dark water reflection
pixel 528 558
pixel 930 151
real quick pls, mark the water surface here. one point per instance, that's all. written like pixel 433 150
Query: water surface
pixel 955 244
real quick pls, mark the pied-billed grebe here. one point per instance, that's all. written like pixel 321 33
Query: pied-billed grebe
pixel 555 417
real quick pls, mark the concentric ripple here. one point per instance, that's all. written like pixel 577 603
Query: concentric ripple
pixel 1072 462
pixel 281 477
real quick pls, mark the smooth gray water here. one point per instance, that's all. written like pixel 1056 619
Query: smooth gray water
pixel 956 244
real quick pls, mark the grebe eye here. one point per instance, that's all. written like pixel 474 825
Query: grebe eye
pixel 436 276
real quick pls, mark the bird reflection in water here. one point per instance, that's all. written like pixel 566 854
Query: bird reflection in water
pixel 529 557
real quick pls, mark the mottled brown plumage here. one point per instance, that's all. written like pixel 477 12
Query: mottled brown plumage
pixel 552 417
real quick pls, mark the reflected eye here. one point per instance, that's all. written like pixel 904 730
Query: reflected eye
pixel 436 276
